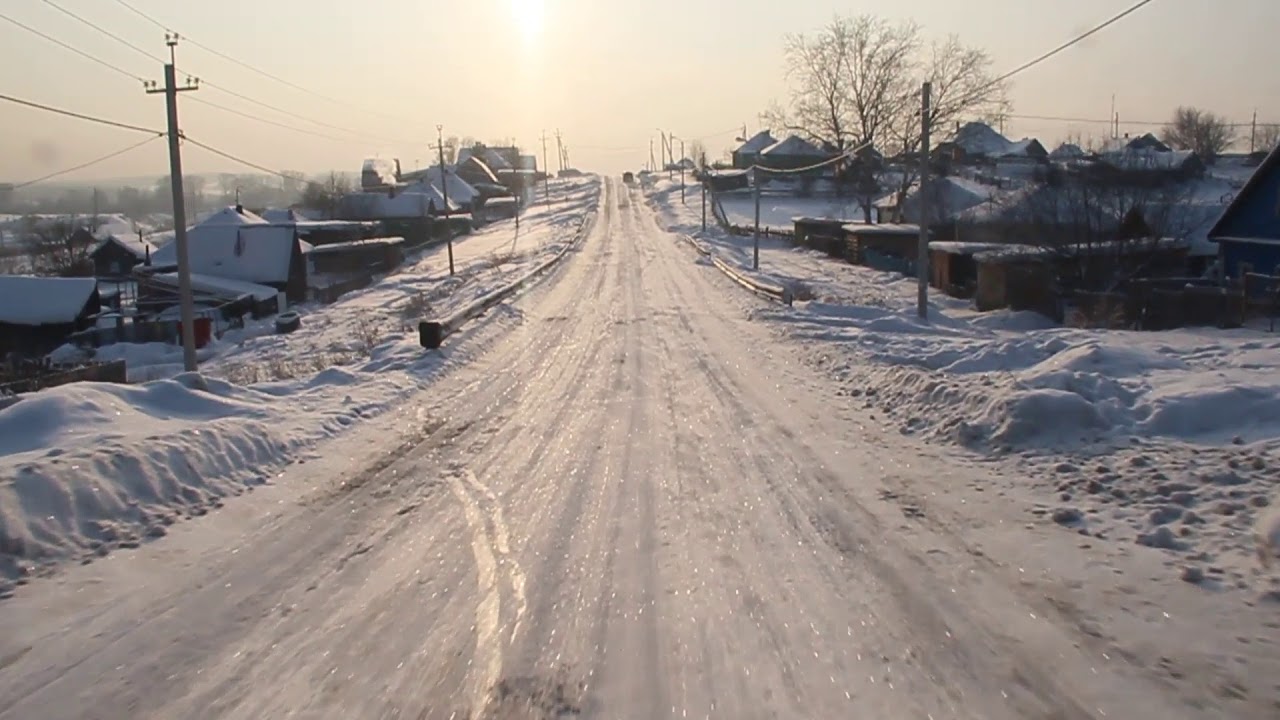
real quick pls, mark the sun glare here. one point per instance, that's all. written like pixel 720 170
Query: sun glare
pixel 528 16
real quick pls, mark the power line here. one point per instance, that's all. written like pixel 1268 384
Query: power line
pixel 215 86
pixel 75 50
pixel 104 31
pixel 261 168
pixel 91 163
pixel 78 116
pixel 253 68
pixel 981 90
pixel 255 118
pixel 1101 121
pixel 1076 40
pixel 303 118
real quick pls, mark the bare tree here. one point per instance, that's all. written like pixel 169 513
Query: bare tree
pixel 326 194
pixel 1204 132
pixel 451 145
pixel 962 85
pixel 1267 137
pixel 696 150
pixel 1100 235
pixel 59 247
pixel 858 80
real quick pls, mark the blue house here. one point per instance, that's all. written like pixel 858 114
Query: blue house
pixel 1248 233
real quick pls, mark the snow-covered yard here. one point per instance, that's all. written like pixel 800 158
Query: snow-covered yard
pixel 90 467
pixel 1168 442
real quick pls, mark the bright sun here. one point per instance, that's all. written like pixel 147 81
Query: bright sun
pixel 528 16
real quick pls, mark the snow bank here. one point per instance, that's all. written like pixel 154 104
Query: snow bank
pixel 95 466
pixel 90 467
pixel 1164 440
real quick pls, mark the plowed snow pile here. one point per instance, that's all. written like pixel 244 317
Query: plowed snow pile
pixel 1164 440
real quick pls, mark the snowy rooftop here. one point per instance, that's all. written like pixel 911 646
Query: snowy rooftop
pixel 27 300
pixel 283 215
pixel 883 228
pixel 757 143
pixel 416 202
pixel 222 287
pixel 254 253
pixel 794 146
pixel 344 246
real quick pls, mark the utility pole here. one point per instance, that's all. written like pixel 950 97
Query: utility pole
pixel 546 171
pixel 704 203
pixel 1115 123
pixel 922 247
pixel 444 190
pixel 755 189
pixel 682 202
pixel 559 150
pixel 653 166
pixel 1253 133
pixel 185 301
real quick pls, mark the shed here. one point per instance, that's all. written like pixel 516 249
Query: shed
pixel 821 233
pixel 37 314
pixel 885 246
pixel 1248 233
pixel 953 267
pixel 1017 277
pixel 358 256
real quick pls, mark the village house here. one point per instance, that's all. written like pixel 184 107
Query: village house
pixel 748 153
pixel 1248 232
pixel 237 245
pixel 37 314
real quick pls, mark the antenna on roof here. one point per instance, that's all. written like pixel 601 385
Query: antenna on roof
pixel 239 207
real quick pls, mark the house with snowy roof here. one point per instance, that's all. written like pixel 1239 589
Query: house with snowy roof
pixel 1248 233
pixel 236 245
pixel 461 193
pixel 793 153
pixel 748 153
pixel 37 314
pixel 978 142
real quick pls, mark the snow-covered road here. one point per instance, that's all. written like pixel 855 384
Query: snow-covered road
pixel 632 504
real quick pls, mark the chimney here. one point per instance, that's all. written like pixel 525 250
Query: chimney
pixel 397 169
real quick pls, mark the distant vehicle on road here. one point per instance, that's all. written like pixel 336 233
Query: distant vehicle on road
pixel 628 178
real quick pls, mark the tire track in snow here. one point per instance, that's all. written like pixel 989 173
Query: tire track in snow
pixel 492 551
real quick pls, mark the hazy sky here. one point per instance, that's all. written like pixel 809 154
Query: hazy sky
pixel 607 73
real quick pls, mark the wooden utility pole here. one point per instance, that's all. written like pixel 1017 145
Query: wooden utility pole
pixel 653 166
pixel 546 171
pixel 922 246
pixel 559 150
pixel 1253 133
pixel 444 190
pixel 185 301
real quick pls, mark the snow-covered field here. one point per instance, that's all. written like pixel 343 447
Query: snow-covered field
pixel 90 467
pixel 1164 442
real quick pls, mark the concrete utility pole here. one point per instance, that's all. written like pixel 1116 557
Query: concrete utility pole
pixel 1253 133
pixel 185 300
pixel 922 247
pixel 546 171
pixel 444 190
pixel 653 166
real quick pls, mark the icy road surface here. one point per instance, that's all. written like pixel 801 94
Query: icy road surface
pixel 627 507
